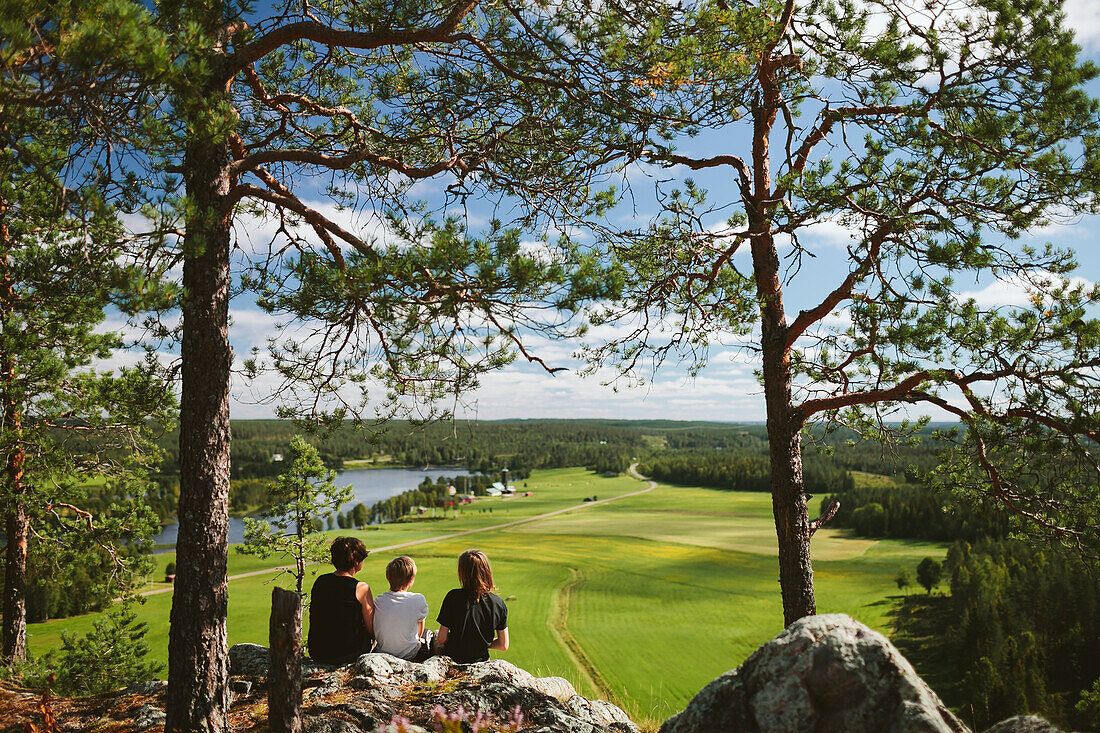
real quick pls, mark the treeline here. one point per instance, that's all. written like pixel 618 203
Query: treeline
pixel 736 457
pixel 726 469
pixel 912 512
pixel 1024 635
pixel 1022 629
pixel 482 447
pixel 479 446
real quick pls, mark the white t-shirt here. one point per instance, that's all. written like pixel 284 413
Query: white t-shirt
pixel 397 615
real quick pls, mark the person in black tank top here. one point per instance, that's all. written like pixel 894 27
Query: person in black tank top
pixel 472 619
pixel 341 608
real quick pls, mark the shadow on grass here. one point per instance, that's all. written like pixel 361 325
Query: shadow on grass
pixel 919 621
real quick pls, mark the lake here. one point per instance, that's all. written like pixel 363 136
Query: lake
pixel 368 486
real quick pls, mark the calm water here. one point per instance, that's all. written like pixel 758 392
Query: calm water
pixel 367 485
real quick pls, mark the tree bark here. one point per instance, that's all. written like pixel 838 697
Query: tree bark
pixel 197 698
pixel 284 668
pixel 17 531
pixel 792 521
pixel 16 523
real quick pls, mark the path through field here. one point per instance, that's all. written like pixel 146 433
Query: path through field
pixel 559 626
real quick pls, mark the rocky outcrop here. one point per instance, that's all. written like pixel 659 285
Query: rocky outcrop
pixel 378 688
pixel 822 673
pixel 375 694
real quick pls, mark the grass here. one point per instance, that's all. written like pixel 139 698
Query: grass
pixel 663 591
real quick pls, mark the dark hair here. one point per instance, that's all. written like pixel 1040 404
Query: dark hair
pixel 474 573
pixel 400 572
pixel 347 552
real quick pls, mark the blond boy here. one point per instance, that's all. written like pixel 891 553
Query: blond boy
pixel 399 614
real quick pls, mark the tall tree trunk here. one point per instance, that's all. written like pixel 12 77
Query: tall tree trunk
pixel 16 524
pixel 792 521
pixel 197 698
pixel 17 531
pixel 16 528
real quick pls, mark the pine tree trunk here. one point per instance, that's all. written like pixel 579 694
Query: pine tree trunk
pixel 197 698
pixel 16 524
pixel 284 674
pixel 17 531
pixel 792 521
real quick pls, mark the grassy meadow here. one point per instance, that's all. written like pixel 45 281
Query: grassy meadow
pixel 642 600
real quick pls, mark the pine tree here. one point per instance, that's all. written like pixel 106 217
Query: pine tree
pixel 935 137
pixel 62 263
pixel 304 488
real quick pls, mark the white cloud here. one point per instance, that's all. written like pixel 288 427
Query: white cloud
pixel 1083 16
pixel 828 233
pixel 1015 291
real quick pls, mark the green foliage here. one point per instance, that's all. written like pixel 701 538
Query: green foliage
pixel 303 490
pixel 1024 633
pixel 917 512
pixel 903 579
pixel 109 656
pixel 1088 707
pixel 929 572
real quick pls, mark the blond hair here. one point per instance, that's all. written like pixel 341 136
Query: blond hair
pixel 400 572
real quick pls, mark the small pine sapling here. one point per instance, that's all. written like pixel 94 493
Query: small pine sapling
pixel 303 490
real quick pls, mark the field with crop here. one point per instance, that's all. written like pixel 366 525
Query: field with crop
pixel 643 599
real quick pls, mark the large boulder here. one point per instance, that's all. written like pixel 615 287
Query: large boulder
pixel 822 673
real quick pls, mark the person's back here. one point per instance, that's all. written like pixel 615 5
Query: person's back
pixel 399 614
pixel 472 624
pixel 472 619
pixel 338 608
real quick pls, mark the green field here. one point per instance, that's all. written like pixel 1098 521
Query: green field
pixel 643 599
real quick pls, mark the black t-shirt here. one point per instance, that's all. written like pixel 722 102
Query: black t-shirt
pixel 471 625
pixel 337 632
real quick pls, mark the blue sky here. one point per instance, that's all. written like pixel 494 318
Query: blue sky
pixel 725 390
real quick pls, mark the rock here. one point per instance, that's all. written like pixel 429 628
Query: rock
pixel 327 724
pixel 151 687
pixel 148 716
pixel 828 673
pixel 498 670
pixel 366 718
pixel 366 696
pixel 1024 724
pixel 382 666
pixel 558 688
pixel 248 659
pixel 599 712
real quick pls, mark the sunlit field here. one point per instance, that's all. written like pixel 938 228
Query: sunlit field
pixel 643 599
